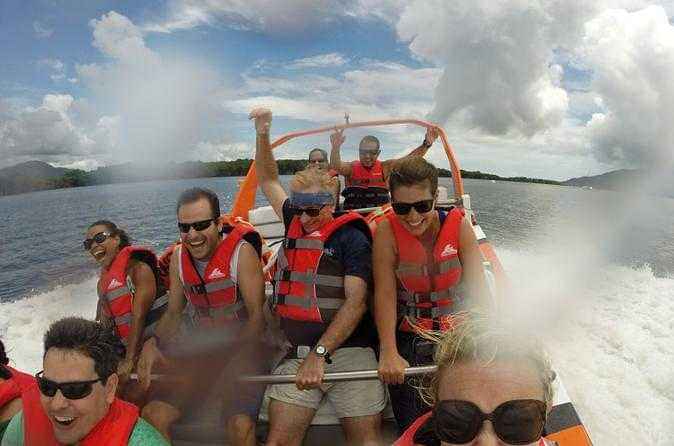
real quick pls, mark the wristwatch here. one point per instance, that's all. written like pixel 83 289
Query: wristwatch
pixel 320 350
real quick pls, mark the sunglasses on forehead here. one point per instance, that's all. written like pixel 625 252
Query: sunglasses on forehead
pixel 421 207
pixel 515 422
pixel 75 390
pixel 197 225
pixel 98 238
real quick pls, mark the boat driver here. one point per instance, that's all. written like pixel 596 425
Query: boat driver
pixel 366 180
pixel 320 296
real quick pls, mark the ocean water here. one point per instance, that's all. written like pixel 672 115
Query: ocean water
pixel 593 273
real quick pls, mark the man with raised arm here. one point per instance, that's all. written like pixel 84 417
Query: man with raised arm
pixel 320 295
pixel 216 271
pixel 366 180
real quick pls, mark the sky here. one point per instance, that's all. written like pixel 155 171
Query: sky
pixel 541 88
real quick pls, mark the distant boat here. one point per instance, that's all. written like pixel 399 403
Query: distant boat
pixel 586 187
pixel 493 181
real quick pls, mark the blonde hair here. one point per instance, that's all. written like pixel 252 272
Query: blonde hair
pixel 476 338
pixel 308 178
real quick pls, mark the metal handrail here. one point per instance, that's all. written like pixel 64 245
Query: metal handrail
pixel 356 375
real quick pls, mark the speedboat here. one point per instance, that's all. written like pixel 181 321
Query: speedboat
pixel 563 425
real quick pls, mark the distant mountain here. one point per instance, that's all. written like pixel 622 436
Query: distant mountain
pixel 29 176
pixel 628 180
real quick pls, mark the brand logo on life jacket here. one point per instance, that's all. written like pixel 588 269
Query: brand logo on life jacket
pixel 448 251
pixel 315 234
pixel 114 283
pixel 216 274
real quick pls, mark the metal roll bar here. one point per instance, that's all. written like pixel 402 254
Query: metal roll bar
pixel 356 375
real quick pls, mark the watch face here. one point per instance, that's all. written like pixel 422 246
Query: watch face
pixel 320 350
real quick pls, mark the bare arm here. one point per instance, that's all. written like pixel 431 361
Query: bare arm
pixel 384 264
pixel 265 164
pixel 391 365
pixel 251 286
pixel 146 289
pixel 310 373
pixel 429 139
pixel 349 315
pixel 169 323
pixel 473 270
pixel 336 140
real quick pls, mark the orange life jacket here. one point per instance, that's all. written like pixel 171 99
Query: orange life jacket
pixel 117 292
pixel 426 285
pixel 363 177
pixel 377 216
pixel 14 387
pixel 113 430
pixel 407 438
pixel 214 297
pixel 308 286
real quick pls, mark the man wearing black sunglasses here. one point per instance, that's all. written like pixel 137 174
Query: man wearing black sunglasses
pixel 366 180
pixel 74 401
pixel 216 273
pixel 320 294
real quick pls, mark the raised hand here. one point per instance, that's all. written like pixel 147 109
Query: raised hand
pixel 337 138
pixel 262 118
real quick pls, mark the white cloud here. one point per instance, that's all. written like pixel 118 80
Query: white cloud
pixel 632 57
pixel 54 64
pixel 48 132
pixel 41 32
pixel 497 59
pixel 319 61
pixel 163 104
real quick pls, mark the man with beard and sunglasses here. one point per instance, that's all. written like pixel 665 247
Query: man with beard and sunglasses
pixel 216 273
pixel 366 180
pixel 320 295
pixel 486 371
pixel 74 402
pixel 421 256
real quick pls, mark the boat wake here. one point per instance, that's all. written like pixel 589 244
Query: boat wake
pixel 611 340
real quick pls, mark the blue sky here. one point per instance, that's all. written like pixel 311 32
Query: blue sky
pixel 544 89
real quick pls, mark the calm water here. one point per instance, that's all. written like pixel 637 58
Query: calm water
pixel 41 233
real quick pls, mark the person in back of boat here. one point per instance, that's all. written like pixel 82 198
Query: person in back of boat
pixel 318 159
pixel 13 384
pixel 486 370
pixel 421 255
pixel 366 180
pixel 320 295
pixel 74 402
pixel 131 294
pixel 216 273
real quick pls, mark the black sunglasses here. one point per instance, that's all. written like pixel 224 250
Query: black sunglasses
pixel 197 225
pixel 422 207
pixel 75 390
pixel 515 421
pixel 311 212
pixel 98 238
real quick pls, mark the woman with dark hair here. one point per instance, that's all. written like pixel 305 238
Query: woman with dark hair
pixel 132 296
pixel 13 384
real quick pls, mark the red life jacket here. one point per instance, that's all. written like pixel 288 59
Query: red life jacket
pixel 113 430
pixel 215 297
pixel 14 387
pixel 117 292
pixel 363 177
pixel 426 285
pixel 308 286
pixel 407 438
pixel 377 216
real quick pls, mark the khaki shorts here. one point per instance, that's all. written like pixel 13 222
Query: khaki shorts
pixel 350 399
